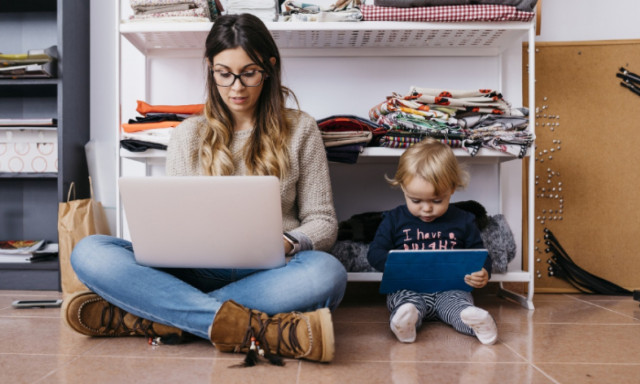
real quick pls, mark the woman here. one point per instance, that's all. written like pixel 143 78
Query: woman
pixel 245 130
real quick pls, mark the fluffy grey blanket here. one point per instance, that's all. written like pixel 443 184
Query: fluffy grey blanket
pixel 355 234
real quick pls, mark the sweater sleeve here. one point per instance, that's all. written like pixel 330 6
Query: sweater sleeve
pixel 182 151
pixel 474 241
pixel 307 195
pixel 382 243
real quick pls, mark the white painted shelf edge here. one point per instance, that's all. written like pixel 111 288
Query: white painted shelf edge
pixel 371 38
pixel 495 278
pixel 484 155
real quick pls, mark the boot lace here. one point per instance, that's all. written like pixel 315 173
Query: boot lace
pixel 286 330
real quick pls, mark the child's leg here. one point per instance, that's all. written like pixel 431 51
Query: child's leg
pixel 482 323
pixel 456 309
pixel 448 306
pixel 408 309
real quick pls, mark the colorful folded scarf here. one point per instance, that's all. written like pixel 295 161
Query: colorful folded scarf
pixel 482 100
pixel 144 126
pixel 190 109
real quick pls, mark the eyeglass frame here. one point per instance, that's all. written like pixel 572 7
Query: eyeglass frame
pixel 239 77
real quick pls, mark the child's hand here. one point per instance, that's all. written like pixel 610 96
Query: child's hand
pixel 477 279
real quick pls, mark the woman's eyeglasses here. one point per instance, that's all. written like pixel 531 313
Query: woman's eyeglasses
pixel 248 79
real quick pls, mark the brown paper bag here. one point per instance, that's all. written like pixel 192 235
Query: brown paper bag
pixel 76 220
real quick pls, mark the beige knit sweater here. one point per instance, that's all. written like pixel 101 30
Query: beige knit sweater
pixel 307 200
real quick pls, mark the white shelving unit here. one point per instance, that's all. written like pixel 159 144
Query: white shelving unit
pixel 373 40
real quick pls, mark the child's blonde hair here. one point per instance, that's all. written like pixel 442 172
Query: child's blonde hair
pixel 433 161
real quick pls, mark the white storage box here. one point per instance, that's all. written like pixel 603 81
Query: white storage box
pixel 28 149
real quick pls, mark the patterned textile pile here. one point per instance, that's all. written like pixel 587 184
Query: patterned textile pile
pixel 446 13
pixel 410 10
pixel 340 10
pixel 461 119
pixel 174 10
pixel 521 5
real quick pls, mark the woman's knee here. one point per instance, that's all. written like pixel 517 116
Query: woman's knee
pixel 327 276
pixel 90 251
pixel 327 265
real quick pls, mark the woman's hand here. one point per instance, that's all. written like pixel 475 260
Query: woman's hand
pixel 287 247
pixel 477 279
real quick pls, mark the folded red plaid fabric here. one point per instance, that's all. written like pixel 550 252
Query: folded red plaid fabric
pixel 446 13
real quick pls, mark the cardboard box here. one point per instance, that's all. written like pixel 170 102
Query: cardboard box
pixel 28 149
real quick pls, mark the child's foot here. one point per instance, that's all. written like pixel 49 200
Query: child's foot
pixel 403 323
pixel 482 324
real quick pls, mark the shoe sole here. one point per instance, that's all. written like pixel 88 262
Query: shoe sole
pixel 70 311
pixel 328 341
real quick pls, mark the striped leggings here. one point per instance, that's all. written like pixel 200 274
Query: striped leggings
pixel 444 306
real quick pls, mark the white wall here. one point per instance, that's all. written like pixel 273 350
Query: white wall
pixel 101 156
pixel 583 20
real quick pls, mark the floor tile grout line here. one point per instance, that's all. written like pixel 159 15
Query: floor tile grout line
pixel 27 317
pixel 515 352
pixel 588 363
pixel 572 323
pixel 609 309
pixel 456 362
pixel 58 368
pixel 298 372
pixel 78 356
pixel 545 374
pixel 529 362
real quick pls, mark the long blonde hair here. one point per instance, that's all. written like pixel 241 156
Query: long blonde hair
pixel 433 161
pixel 266 153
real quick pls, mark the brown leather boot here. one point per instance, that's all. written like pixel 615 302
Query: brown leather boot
pixel 91 315
pixel 306 335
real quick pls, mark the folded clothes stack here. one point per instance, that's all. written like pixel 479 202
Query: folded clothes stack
pixel 346 136
pixel 153 129
pixel 469 119
pixel 173 10
pixel 266 10
pixel 321 11
pixel 521 5
pixel 449 10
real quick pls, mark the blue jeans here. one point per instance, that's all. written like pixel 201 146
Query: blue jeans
pixel 189 298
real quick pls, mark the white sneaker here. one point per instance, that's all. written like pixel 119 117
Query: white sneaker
pixel 482 324
pixel 403 323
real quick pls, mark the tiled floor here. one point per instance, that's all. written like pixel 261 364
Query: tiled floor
pixel 568 338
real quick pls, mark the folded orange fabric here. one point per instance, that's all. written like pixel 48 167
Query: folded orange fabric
pixel 136 127
pixel 190 109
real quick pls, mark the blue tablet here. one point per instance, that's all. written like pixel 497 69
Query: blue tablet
pixel 431 271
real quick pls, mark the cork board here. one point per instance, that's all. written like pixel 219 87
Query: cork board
pixel 587 159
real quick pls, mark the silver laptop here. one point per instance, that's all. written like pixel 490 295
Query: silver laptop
pixel 204 221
